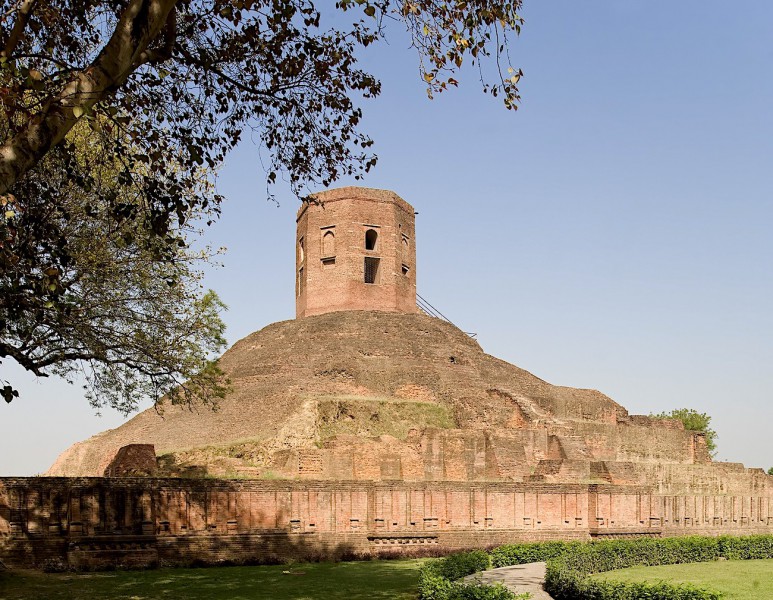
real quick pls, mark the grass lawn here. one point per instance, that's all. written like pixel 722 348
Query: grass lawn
pixel 394 579
pixel 738 579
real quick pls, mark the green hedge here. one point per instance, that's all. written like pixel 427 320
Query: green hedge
pixel 650 551
pixel 567 573
pixel 746 548
pixel 461 564
pixel 522 554
pixel 569 565
pixel 437 579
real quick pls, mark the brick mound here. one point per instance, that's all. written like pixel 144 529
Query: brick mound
pixel 372 396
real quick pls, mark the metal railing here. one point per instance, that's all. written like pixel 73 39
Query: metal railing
pixel 428 309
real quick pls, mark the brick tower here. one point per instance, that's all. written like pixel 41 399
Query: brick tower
pixel 355 250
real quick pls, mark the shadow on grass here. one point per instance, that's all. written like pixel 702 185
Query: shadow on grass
pixel 376 579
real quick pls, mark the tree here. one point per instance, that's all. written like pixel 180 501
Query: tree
pixel 770 471
pixel 693 421
pixel 166 88
pixel 135 326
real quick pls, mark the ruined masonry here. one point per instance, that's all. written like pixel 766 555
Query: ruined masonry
pixel 365 427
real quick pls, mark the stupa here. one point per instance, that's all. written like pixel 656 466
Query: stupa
pixel 364 386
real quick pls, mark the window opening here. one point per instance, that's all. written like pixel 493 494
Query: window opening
pixel 301 254
pixel 371 235
pixel 329 261
pixel 300 281
pixel 371 269
pixel 328 244
pixel 406 268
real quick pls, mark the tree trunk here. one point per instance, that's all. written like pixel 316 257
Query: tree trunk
pixel 138 26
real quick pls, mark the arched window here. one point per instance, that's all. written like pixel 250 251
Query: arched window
pixel 301 251
pixel 328 244
pixel 371 235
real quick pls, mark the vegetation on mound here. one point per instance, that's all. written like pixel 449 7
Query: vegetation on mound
pixel 379 416
pixel 240 459
pixel 337 415
pixel 223 460
pixel 377 580
pixel 736 579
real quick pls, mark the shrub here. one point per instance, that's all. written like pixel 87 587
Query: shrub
pixel 567 574
pixel 746 548
pixel 693 421
pixel 566 583
pixel 432 585
pixel 437 579
pixel 461 564
pixel 569 565
pixel 54 565
pixel 618 552
pixel 482 591
pixel 521 554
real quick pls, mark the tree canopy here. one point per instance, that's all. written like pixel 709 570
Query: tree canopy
pixel 160 92
pixel 112 301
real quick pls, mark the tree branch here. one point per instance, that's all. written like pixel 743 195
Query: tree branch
pixel 140 23
pixel 23 17
pixel 170 37
pixel 235 82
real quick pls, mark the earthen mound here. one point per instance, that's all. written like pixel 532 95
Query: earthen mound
pixel 317 390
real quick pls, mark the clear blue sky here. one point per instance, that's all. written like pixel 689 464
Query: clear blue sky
pixel 614 233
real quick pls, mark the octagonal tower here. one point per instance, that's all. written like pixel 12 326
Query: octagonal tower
pixel 355 250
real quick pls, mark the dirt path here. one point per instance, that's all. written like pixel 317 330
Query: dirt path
pixel 518 578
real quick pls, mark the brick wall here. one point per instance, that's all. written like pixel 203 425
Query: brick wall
pixel 100 522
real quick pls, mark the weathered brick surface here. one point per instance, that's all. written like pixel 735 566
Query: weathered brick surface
pixel 101 522
pixel 287 375
pixel 138 460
